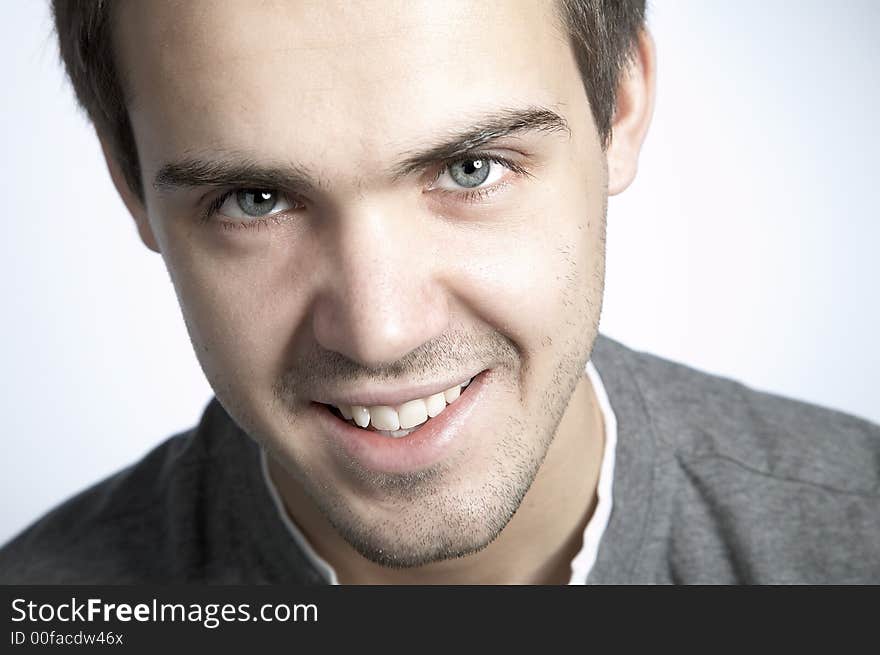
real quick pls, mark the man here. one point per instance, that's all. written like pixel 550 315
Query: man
pixel 385 227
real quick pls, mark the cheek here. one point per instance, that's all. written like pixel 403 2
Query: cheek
pixel 538 278
pixel 243 299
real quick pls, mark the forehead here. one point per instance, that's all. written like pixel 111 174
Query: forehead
pixel 369 77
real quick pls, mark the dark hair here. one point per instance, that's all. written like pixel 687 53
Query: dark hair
pixel 603 35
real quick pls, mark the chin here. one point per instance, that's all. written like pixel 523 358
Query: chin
pixel 454 514
pixel 394 546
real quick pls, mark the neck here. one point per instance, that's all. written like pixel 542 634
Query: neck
pixel 537 545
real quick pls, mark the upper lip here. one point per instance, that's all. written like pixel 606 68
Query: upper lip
pixel 392 395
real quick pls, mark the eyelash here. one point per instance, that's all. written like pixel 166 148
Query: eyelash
pixel 470 197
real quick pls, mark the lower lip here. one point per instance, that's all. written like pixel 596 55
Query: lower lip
pixel 429 444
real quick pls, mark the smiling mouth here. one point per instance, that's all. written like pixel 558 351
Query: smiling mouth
pixel 402 420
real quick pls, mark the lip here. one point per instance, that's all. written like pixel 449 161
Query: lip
pixel 429 444
pixel 393 397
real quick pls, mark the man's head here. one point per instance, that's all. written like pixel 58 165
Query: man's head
pixel 365 204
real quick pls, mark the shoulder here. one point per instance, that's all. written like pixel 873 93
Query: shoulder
pixel 113 531
pixel 742 485
pixel 699 415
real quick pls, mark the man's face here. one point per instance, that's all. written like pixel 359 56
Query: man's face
pixel 349 265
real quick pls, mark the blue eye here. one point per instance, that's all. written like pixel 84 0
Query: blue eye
pixel 470 173
pixel 244 204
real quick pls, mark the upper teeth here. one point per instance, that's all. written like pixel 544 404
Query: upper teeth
pixel 405 416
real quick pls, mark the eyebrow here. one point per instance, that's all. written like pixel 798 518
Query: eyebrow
pixel 229 169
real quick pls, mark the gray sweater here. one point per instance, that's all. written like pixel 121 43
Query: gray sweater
pixel 713 483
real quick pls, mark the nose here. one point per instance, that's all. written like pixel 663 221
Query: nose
pixel 381 297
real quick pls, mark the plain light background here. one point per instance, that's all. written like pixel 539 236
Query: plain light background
pixel 746 247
